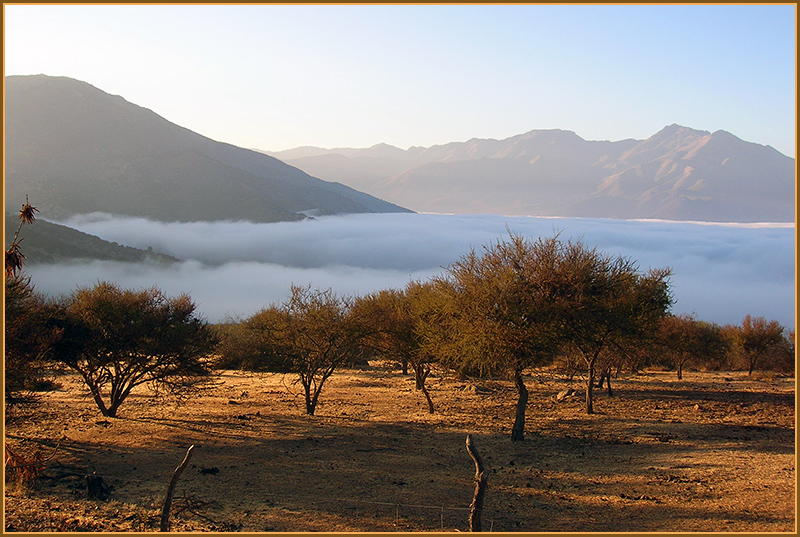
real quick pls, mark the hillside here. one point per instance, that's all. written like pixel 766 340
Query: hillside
pixel 677 174
pixel 73 149
pixel 46 242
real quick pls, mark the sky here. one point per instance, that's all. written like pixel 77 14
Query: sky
pixel 720 272
pixel 275 77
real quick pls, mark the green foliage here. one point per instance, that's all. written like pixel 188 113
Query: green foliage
pixel 119 339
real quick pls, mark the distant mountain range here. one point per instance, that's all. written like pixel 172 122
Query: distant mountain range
pixel 677 174
pixel 73 149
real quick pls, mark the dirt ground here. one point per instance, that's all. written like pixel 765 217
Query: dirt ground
pixel 713 452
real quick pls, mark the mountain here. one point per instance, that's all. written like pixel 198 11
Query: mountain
pixel 73 149
pixel 677 174
pixel 45 242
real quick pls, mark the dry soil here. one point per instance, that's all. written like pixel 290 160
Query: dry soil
pixel 712 452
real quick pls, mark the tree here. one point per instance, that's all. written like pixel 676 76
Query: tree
pixel 119 339
pixel 14 257
pixel 604 302
pixel 311 336
pixel 396 317
pixel 29 335
pixel 755 337
pixel 686 340
pixel 783 359
pixel 28 332
pixel 496 313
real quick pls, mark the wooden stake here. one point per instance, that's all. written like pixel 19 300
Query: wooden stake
pixel 481 479
pixel 171 490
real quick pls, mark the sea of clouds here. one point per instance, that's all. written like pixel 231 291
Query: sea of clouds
pixel 720 272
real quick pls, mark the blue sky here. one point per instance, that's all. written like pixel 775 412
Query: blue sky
pixel 275 77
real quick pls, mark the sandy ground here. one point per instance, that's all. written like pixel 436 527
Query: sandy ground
pixel 713 452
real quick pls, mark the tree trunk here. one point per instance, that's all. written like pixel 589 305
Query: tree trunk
pixel 751 367
pixel 608 383
pixel 96 395
pixel 421 373
pixel 518 430
pixel 424 390
pixel 404 365
pixel 601 380
pixel 311 398
pixel 589 387
pixel 680 371
pixel 311 406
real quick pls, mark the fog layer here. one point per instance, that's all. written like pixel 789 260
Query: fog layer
pixel 721 272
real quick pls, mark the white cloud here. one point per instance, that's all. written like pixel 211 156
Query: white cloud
pixel 720 272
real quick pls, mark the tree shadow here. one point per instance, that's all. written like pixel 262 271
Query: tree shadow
pixel 290 472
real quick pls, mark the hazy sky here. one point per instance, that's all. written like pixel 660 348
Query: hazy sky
pixel 275 77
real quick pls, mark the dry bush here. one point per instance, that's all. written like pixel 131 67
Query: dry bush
pixel 22 468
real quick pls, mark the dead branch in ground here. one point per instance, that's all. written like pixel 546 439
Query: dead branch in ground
pixel 481 479
pixel 171 489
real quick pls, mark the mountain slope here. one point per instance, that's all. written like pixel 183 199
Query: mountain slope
pixel 678 173
pixel 73 148
pixel 45 242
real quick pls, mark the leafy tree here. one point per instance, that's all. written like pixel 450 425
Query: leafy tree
pixel 782 359
pixel 497 313
pixel 29 335
pixel 391 337
pixel 311 335
pixel 686 340
pixel 239 347
pixel 604 302
pixel 119 339
pixel 396 315
pixel 755 337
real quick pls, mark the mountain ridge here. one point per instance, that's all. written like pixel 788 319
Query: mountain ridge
pixel 74 148
pixel 678 173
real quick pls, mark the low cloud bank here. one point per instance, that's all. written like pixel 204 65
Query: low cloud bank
pixel 720 272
